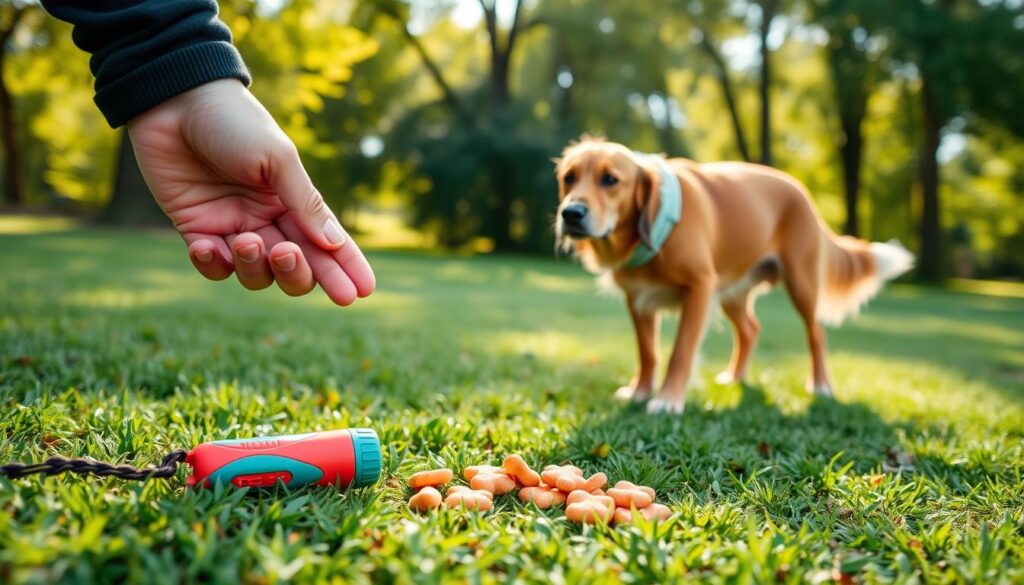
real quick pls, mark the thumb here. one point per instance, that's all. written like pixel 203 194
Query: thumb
pixel 291 182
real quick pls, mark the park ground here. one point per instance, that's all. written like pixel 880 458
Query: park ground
pixel 113 347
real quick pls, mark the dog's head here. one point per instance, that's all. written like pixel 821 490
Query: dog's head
pixel 603 187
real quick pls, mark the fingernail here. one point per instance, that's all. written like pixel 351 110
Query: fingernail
pixel 204 256
pixel 333 232
pixel 285 263
pixel 250 253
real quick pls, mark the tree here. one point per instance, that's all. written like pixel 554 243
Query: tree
pixel 704 16
pixel 131 202
pixel 852 59
pixel 943 41
pixel 769 10
pixel 488 131
pixel 11 14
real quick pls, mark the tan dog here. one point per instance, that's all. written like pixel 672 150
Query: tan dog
pixel 743 227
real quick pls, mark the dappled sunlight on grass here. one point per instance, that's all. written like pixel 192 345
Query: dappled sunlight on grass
pixel 112 346
pixel 118 298
pixel 988 287
pixel 34 224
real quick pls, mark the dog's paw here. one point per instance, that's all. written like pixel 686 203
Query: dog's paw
pixel 667 406
pixel 630 394
pixel 726 378
pixel 823 391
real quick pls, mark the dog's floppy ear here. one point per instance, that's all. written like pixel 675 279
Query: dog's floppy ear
pixel 648 198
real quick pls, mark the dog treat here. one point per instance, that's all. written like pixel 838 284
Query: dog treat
pixel 570 482
pixel 585 499
pixel 432 478
pixel 631 485
pixel 628 495
pixel 473 470
pixel 542 497
pixel 587 508
pixel 470 499
pixel 497 483
pixel 427 498
pixel 654 511
pixel 551 473
pixel 515 466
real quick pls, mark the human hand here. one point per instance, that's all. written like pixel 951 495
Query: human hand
pixel 233 184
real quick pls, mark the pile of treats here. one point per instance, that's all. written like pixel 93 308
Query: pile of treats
pixel 584 498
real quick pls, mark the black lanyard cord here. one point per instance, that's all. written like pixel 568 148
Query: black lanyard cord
pixel 58 465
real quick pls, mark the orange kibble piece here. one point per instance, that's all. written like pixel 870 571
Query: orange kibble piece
pixel 427 498
pixel 498 483
pixel 473 470
pixel 542 497
pixel 570 482
pixel 598 492
pixel 463 497
pixel 630 496
pixel 432 478
pixel 654 511
pixel 596 482
pixel 515 466
pixel 587 508
pixel 631 485
pixel 551 473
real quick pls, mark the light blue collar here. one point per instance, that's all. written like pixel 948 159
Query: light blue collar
pixel 654 233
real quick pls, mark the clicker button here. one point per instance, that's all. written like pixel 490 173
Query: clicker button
pixel 262 479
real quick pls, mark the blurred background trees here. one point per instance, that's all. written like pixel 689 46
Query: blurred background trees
pixel 903 118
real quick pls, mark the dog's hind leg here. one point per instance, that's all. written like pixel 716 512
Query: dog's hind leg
pixel 740 311
pixel 802 282
pixel 647 323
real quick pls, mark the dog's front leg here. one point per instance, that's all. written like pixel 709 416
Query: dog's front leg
pixel 647 323
pixel 692 324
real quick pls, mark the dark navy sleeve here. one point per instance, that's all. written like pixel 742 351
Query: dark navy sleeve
pixel 145 52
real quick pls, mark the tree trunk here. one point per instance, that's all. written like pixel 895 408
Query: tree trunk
pixel 14 169
pixel 931 228
pixel 131 202
pixel 768 8
pixel 502 174
pixel 851 152
pixel 504 191
pixel 727 92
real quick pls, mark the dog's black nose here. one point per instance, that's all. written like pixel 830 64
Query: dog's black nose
pixel 574 213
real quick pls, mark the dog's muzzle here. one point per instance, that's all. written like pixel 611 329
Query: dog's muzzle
pixel 576 220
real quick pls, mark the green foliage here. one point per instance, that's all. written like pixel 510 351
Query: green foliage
pixel 69 148
pixel 402 103
pixel 460 164
pixel 913 474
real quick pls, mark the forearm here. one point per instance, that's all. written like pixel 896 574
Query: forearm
pixel 145 52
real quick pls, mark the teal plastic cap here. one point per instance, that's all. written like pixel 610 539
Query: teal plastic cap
pixel 366 446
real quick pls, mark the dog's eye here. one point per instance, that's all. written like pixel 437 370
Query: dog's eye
pixel 570 178
pixel 609 180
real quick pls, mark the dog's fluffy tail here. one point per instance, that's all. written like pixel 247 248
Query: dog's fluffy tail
pixel 853 273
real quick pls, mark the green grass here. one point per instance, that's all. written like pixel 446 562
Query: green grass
pixel 112 347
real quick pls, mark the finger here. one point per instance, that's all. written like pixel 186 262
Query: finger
pixel 355 265
pixel 250 257
pixel 210 255
pixel 292 184
pixel 328 273
pixel 291 270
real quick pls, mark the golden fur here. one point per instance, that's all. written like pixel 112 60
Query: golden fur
pixel 743 227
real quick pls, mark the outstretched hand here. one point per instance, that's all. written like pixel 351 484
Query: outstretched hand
pixel 233 184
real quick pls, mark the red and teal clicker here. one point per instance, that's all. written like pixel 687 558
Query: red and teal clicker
pixel 343 458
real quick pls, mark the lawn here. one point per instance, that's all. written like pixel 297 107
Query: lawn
pixel 112 347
